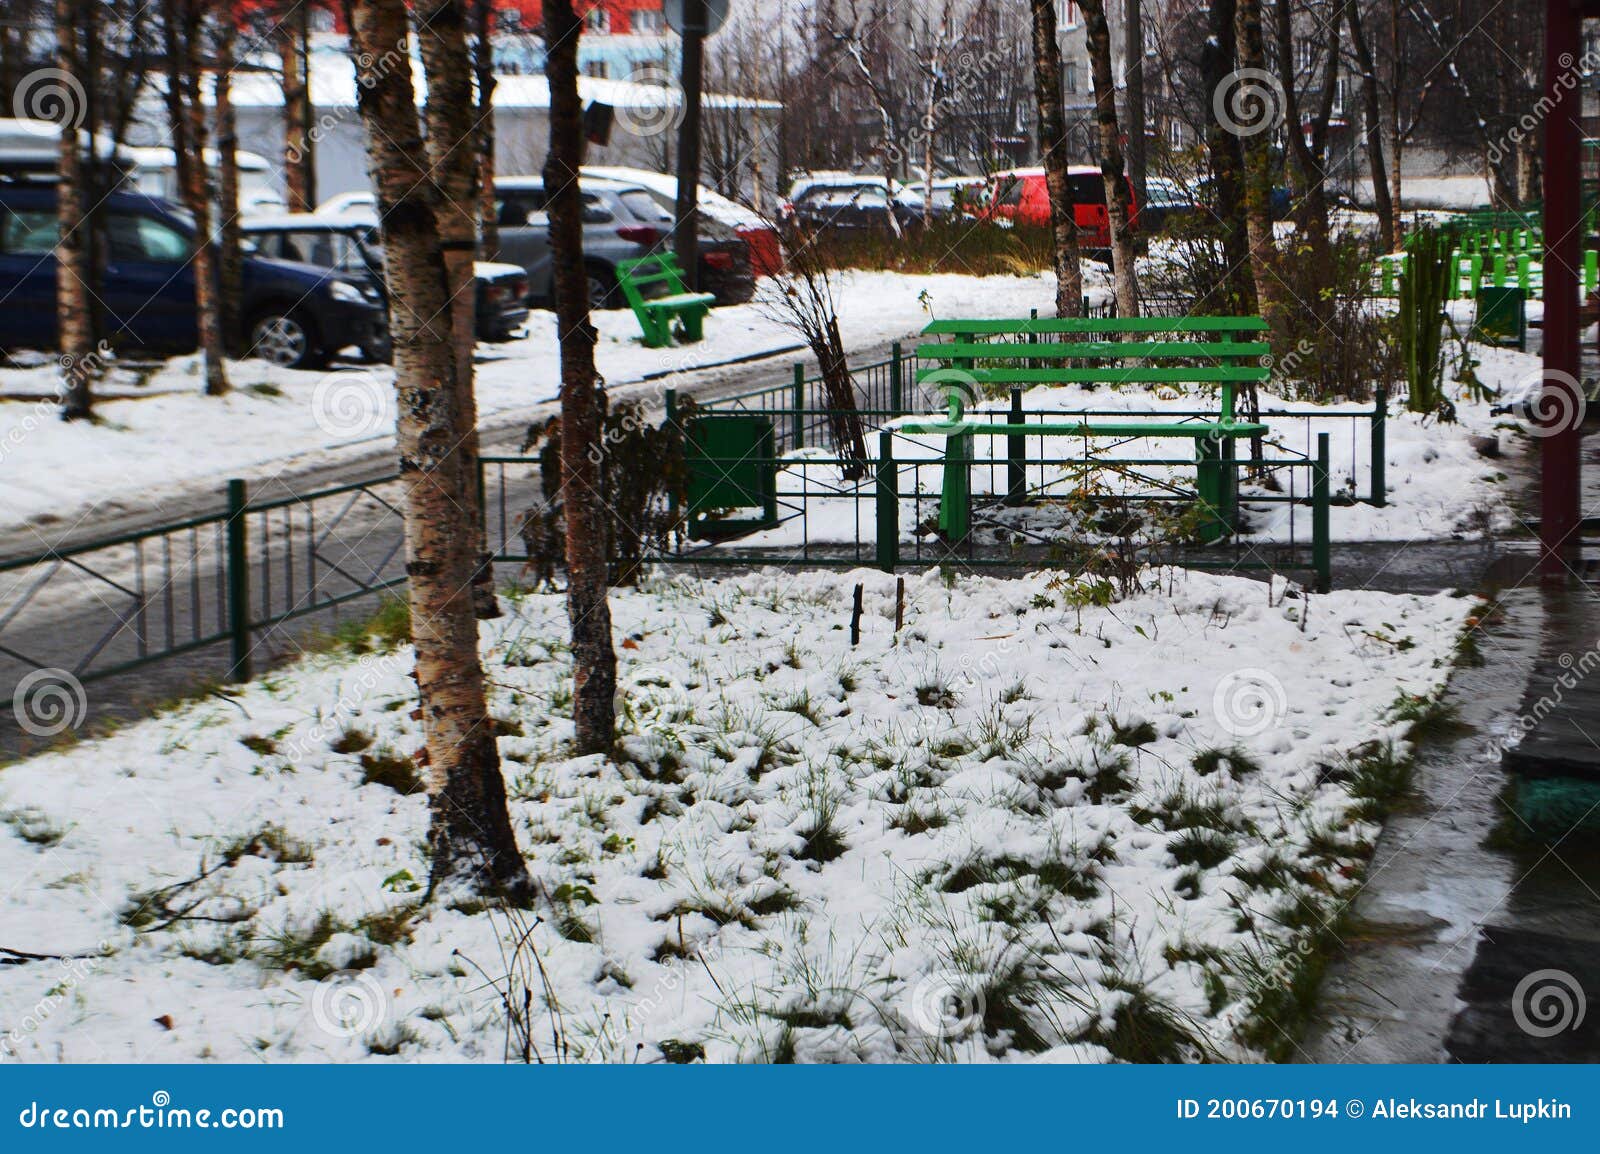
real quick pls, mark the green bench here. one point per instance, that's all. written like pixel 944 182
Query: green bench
pixel 657 314
pixel 975 354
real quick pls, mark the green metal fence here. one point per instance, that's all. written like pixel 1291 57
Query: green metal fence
pixel 226 580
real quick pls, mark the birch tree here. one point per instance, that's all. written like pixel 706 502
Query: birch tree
pixel 473 849
pixel 1111 163
pixel 1053 144
pixel 594 661
pixel 452 144
pixel 74 306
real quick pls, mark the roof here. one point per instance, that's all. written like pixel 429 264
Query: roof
pixel 333 85
pixel 712 204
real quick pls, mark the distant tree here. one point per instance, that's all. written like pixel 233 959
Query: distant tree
pixel 183 34
pixel 470 839
pixel 292 35
pixel 1258 172
pixel 1053 146
pixel 1225 154
pixel 1372 123
pixel 594 661
pixel 229 241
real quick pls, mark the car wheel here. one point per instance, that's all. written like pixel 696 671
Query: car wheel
pixel 602 286
pixel 285 340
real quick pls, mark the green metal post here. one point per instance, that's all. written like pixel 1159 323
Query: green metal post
pixel 238 583
pixel 672 423
pixel 1016 452
pixel 1380 451
pixel 797 426
pixel 897 380
pixel 1591 272
pixel 1321 553
pixel 888 529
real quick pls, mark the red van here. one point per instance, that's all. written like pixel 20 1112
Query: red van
pixel 1019 195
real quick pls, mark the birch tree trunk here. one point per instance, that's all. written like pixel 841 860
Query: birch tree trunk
pixel 1053 146
pixel 473 849
pixel 1258 178
pixel 74 309
pixel 452 145
pixel 483 67
pixel 594 662
pixel 1111 165
pixel 183 24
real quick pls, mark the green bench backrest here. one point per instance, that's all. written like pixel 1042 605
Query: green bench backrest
pixel 1181 350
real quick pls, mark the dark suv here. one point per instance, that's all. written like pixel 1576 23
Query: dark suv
pixel 294 314
pixel 352 246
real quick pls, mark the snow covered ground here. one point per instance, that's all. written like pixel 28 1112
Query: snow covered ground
pixel 1022 826
pixel 160 436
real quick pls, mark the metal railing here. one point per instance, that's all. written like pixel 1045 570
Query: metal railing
pixel 221 579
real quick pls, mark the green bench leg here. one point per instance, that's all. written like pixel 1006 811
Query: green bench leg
pixel 1212 484
pixel 955 497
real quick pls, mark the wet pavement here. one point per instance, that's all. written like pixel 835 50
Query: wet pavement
pixel 1472 939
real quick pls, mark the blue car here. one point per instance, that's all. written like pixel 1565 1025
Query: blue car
pixel 295 315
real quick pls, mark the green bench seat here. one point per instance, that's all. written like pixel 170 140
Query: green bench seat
pixel 656 315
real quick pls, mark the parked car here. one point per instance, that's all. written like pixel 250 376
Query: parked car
pixel 352 246
pixel 848 202
pixel 294 314
pixel 156 174
pixel 360 203
pixel 1020 197
pixel 719 217
pixel 620 221
pixel 951 195
pixel 1166 202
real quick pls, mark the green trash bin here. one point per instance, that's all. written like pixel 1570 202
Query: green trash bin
pixel 732 468
pixel 1502 316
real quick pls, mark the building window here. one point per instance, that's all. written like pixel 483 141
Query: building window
pixel 1175 134
pixel 1069 78
pixel 1341 90
pixel 598 20
pixel 1304 56
pixel 1067 13
pixel 647 22
pixel 596 69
